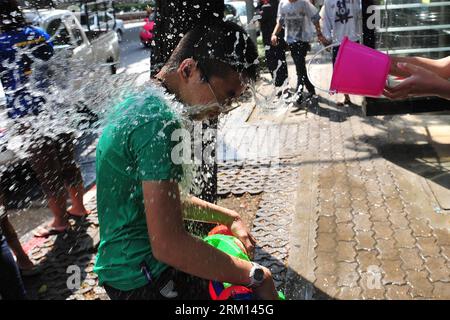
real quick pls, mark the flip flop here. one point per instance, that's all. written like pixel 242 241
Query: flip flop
pixel 44 232
pixel 78 216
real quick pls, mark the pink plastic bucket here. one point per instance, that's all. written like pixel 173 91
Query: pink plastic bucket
pixel 359 70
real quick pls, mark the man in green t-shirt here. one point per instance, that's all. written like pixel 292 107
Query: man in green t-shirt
pixel 145 251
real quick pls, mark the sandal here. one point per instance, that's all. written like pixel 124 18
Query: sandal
pixel 44 232
pixel 88 212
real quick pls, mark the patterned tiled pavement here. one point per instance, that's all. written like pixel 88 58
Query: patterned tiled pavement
pixel 364 227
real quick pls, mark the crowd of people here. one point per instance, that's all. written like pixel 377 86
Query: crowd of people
pixel 145 251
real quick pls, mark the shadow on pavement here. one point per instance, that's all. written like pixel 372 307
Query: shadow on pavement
pixel 59 258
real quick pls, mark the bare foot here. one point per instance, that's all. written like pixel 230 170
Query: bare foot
pixel 347 100
pixel 78 212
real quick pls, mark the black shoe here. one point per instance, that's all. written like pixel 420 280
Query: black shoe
pixel 299 100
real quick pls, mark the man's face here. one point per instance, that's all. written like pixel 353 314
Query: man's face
pixel 208 99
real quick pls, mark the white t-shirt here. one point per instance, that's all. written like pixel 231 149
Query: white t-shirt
pixel 341 18
pixel 297 18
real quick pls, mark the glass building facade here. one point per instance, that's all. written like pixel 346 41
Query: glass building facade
pixel 413 27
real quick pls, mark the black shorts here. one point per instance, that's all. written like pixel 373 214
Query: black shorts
pixel 172 284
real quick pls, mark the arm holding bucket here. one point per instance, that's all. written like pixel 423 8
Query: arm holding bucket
pixel 173 245
pixel 441 67
pixel 420 81
pixel 200 210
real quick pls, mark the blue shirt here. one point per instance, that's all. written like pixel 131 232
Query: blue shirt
pixel 17 51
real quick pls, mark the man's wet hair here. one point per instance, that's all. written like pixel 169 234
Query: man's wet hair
pixel 11 18
pixel 218 49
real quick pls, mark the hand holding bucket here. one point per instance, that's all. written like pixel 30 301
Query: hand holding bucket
pixel 358 70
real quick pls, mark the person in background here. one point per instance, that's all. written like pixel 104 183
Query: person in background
pixel 51 158
pixel 150 13
pixel 275 55
pixel 297 16
pixel 25 265
pixel 341 18
pixel 11 283
pixel 422 77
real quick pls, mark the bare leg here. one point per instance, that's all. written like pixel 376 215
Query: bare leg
pixel 77 208
pixel 23 261
pixel 347 99
pixel 60 224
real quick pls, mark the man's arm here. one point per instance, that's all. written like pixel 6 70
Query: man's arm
pixel 419 82
pixel 326 22
pixel 171 244
pixel 440 67
pixel 200 210
pixel 278 26
pixel 314 15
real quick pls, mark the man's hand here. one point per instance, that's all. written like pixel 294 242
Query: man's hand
pixel 240 231
pixel 274 40
pixel 323 40
pixel 267 290
pixel 419 82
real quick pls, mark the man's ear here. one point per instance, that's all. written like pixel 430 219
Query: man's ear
pixel 186 68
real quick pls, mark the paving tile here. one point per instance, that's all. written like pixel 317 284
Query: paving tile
pixel 365 240
pixel 411 259
pixel 326 208
pixel 382 230
pixel 344 232
pixel 325 282
pixel 396 292
pixel 325 263
pixel 404 238
pixel 442 237
pixel 343 215
pixel 446 252
pixel 428 246
pixel 359 207
pixel 398 220
pixel 420 284
pixel 342 202
pixel 347 275
pixel 395 204
pixel 420 228
pixel 347 293
pixel 378 214
pixel 357 194
pixel 325 242
pixel 387 249
pixel 345 251
pixel 366 259
pixel 438 269
pixel 374 294
pixel 374 199
pixel 393 272
pixel 362 222
pixel 326 224
pixel 441 290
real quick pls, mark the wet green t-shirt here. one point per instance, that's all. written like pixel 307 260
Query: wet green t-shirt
pixel 135 146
